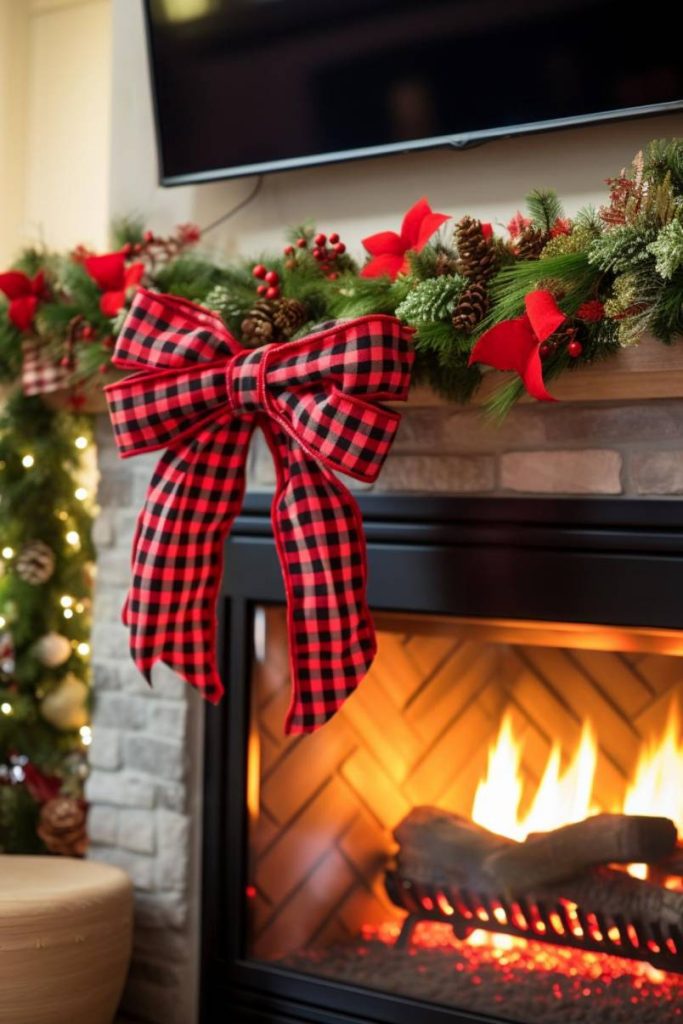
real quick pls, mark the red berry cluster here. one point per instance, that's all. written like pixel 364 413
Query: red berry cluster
pixel 574 347
pixel 157 249
pixel 270 288
pixel 326 250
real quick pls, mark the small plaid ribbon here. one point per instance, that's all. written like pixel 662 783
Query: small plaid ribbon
pixel 39 374
pixel 199 396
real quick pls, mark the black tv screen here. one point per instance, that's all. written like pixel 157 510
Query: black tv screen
pixel 245 86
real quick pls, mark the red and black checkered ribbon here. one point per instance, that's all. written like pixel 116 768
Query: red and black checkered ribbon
pixel 199 395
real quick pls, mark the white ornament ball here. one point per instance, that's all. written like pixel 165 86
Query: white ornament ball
pixel 65 706
pixel 53 649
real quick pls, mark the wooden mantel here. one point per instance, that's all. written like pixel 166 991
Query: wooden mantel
pixel 647 370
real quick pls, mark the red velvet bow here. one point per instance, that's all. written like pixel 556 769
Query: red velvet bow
pixel 114 278
pixel 515 344
pixel 199 396
pixel 24 294
pixel 389 250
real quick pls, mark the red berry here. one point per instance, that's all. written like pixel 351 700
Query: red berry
pixel 137 247
pixel 148 236
pixel 273 292
pixel 340 248
pixel 127 249
pixel 288 250
pixel 320 239
pixel 301 243
pixel 87 332
pixel 262 289
pixel 259 270
pixel 333 276
pixel 545 350
pixel 103 368
pixel 575 348
pixel 319 254
pixel 272 277
pixel 334 238
pixel 331 255
pixel 65 361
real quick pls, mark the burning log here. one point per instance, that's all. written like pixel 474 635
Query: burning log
pixel 451 869
pixel 455 850
pixel 566 852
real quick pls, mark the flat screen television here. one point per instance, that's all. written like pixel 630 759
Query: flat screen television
pixel 248 86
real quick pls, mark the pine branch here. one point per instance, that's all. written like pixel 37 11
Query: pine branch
pixel 544 208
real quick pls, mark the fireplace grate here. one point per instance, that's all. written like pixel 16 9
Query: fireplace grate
pixel 561 922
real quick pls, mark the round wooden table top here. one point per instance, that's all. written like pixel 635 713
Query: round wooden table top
pixel 40 880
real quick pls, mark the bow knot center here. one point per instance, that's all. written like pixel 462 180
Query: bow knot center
pixel 245 381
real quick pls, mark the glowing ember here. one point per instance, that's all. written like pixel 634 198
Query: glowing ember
pixel 521 980
pixel 528 955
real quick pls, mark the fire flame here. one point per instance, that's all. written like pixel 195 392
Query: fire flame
pixel 566 796
pixel 656 788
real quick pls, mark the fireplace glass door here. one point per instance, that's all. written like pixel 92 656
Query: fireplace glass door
pixel 456 834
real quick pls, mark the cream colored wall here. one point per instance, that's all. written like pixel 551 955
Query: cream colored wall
pixel 55 106
pixel 14 36
pixel 358 198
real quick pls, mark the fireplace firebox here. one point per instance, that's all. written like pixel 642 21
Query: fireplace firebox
pixel 487 831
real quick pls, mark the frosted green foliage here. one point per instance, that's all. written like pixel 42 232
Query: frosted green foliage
pixel 622 249
pixel 431 300
pixel 667 249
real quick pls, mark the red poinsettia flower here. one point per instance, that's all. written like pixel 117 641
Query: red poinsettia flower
pixel 388 250
pixel 24 294
pixel 517 224
pixel 515 344
pixel 114 278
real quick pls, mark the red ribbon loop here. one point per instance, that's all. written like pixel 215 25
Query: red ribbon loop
pixel 199 394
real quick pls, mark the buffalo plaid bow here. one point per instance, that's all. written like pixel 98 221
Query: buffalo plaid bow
pixel 199 396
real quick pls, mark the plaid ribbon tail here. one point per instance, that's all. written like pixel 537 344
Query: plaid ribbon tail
pixel 322 554
pixel 178 550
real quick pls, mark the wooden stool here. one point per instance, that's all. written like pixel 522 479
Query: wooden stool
pixel 66 930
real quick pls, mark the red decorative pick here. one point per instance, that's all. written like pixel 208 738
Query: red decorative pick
pixel 388 250
pixel 517 224
pixel 514 344
pixel 24 294
pixel 42 787
pixel 113 278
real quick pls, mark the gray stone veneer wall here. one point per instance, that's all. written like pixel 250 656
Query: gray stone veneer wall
pixel 146 753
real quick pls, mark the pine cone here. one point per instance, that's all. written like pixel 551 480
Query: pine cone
pixel 258 327
pixel 477 257
pixel 35 562
pixel 472 307
pixel 288 316
pixel 530 243
pixel 446 265
pixel 62 826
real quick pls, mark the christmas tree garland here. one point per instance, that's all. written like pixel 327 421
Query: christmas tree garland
pixel 548 294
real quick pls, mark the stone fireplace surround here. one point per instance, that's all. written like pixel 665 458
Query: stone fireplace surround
pixel 145 788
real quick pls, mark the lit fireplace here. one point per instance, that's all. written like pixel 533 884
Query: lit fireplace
pixel 478 814
pixel 487 831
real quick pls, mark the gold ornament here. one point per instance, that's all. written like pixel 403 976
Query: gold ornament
pixel 53 649
pixel 65 706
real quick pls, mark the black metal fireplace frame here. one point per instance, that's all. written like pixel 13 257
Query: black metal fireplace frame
pixel 602 561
